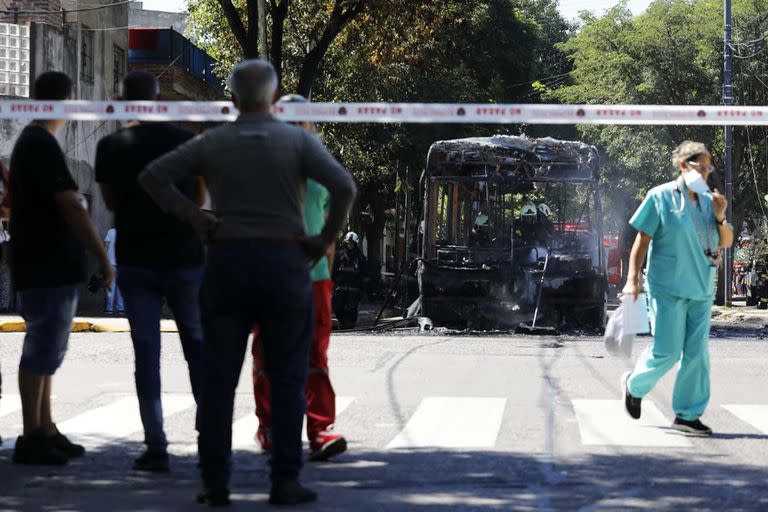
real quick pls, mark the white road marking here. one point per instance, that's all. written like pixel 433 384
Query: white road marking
pixel 10 404
pixel 101 426
pixel 605 422
pixel 244 430
pixel 755 415
pixel 453 422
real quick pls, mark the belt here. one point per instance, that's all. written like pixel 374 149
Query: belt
pixel 258 241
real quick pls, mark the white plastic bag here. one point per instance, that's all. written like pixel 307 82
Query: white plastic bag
pixel 629 319
pixel 636 314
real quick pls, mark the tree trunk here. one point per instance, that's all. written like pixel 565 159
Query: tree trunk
pixel 278 13
pixel 374 234
pixel 311 65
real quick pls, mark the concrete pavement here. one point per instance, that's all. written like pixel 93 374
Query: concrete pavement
pixel 434 423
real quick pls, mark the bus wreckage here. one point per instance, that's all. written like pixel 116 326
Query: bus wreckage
pixel 513 228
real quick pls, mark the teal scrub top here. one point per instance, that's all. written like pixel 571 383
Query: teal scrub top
pixel 677 263
pixel 315 210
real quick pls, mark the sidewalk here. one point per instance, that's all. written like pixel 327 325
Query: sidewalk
pixel 741 316
pixel 9 323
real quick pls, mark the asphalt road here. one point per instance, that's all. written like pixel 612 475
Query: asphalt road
pixel 434 423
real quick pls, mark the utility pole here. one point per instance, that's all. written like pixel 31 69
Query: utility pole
pixel 262 30
pixel 728 136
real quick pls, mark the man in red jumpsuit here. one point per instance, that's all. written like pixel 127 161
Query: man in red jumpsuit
pixel 324 443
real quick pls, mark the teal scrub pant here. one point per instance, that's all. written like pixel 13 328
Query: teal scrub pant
pixel 680 327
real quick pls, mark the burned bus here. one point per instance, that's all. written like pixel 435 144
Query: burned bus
pixel 512 228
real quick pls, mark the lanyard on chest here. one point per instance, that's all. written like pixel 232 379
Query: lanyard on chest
pixel 697 219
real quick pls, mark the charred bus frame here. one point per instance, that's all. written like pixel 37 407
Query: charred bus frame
pixel 493 277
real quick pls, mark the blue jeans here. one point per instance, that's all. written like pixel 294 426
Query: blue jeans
pixel 249 283
pixel 143 291
pixel 113 290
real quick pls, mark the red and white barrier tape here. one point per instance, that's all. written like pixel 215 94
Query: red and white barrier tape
pixel 213 111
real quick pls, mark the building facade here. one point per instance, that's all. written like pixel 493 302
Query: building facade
pixel 90 44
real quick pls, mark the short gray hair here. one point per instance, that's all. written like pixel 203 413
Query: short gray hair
pixel 687 150
pixel 253 84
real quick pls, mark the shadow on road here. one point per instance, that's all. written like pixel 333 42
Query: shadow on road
pixel 426 481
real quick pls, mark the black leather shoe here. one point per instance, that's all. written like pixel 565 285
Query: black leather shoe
pixel 214 498
pixel 290 492
pixel 36 449
pixel 65 446
pixel 155 462
pixel 632 405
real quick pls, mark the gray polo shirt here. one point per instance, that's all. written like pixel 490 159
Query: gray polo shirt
pixel 256 170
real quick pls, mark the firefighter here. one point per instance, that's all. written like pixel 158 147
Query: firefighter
pixel 480 234
pixel 348 271
pixel 527 229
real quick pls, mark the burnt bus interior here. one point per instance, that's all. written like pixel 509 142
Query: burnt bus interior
pixel 483 261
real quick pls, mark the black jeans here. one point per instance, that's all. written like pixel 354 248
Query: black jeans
pixel 249 283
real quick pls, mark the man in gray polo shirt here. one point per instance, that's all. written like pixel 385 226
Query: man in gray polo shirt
pixel 258 266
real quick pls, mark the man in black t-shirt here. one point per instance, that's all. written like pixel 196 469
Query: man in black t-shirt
pixel 158 258
pixel 50 230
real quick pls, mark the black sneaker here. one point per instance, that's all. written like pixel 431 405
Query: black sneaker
pixel 691 427
pixel 36 449
pixel 214 498
pixel 155 462
pixel 65 446
pixel 290 492
pixel 631 404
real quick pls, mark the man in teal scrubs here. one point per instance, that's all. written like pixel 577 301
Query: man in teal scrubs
pixel 681 227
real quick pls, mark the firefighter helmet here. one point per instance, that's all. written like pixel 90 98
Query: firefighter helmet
pixel 351 237
pixel 528 210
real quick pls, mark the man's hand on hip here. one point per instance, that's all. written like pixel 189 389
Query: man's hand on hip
pixel 205 223
pixel 314 247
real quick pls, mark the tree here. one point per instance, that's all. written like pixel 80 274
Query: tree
pixel 228 30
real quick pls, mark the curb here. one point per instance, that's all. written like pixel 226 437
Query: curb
pixel 83 326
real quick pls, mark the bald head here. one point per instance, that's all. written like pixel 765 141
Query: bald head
pixel 140 86
pixel 253 84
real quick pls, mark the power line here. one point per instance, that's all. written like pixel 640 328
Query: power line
pixel 117 4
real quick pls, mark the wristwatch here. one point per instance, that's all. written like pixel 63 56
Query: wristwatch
pixel 721 222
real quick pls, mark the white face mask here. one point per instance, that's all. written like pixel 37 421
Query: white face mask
pixel 695 182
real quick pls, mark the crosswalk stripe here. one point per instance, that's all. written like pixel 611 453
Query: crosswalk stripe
pixel 604 422
pixel 9 404
pixel 453 422
pixel 101 426
pixel 244 429
pixel 755 415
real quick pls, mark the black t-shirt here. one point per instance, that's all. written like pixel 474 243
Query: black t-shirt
pixel 146 236
pixel 44 252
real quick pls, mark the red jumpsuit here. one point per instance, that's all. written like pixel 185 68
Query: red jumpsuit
pixel 321 399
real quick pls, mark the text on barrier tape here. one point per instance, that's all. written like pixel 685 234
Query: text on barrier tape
pixel 217 111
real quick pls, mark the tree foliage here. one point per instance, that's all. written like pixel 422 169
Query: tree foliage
pixel 670 54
